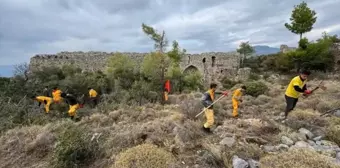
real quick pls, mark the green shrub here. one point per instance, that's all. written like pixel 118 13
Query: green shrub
pixel 227 83
pixel 75 148
pixel 253 77
pixel 144 156
pixel 256 88
pixel 193 81
pixel 297 158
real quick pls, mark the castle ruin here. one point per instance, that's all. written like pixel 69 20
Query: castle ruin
pixel 212 65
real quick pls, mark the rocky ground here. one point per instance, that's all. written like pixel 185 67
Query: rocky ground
pixel 121 137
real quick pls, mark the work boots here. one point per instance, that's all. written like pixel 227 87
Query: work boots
pixel 207 130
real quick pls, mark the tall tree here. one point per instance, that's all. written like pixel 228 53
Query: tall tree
pixel 302 19
pixel 245 49
pixel 176 53
pixel 160 44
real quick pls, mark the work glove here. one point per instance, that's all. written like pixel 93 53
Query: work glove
pixel 307 92
pixel 225 93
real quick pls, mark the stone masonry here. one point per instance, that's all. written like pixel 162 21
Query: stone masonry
pixel 335 50
pixel 284 48
pixel 213 65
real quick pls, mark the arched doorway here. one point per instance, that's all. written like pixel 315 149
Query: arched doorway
pixel 190 69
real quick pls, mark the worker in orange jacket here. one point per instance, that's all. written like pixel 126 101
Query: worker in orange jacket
pixel 237 99
pixel 47 101
pixel 56 93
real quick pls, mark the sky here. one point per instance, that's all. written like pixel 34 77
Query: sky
pixel 29 27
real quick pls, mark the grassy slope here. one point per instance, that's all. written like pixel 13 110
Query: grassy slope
pixel 174 129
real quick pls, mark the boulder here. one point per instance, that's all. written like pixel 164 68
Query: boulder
pixel 301 144
pixel 307 133
pixel 298 137
pixel 310 142
pixel 228 141
pixel 318 138
pixel 253 164
pixel 287 141
pixel 239 163
pixel 269 148
pixel 337 113
pixel 338 156
pixel 282 147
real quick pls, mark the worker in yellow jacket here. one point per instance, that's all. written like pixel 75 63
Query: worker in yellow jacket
pixel 93 95
pixel 207 100
pixel 73 104
pixel 296 86
pixel 56 93
pixel 47 101
pixel 237 99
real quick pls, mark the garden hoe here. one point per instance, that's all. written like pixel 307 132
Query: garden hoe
pixel 210 105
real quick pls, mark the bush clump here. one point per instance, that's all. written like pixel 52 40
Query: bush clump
pixel 256 88
pixel 297 158
pixel 254 77
pixel 144 156
pixel 75 148
pixel 333 130
pixel 227 83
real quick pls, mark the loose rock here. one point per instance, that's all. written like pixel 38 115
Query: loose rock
pixel 301 144
pixel 287 141
pixel 312 143
pixel 229 141
pixel 282 147
pixel 298 137
pixel 239 163
pixel 253 164
pixel 268 148
pixel 306 132
pixel 318 138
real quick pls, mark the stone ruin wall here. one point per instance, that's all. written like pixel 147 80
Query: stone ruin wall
pixel 87 61
pixel 284 48
pixel 335 50
pixel 213 65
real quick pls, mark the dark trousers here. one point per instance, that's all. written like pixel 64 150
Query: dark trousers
pixel 291 103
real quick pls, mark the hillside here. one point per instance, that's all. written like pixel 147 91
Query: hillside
pixel 265 50
pixel 153 135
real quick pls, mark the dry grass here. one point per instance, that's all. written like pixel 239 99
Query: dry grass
pixel 191 107
pixel 305 118
pixel 144 156
pixel 24 147
pixel 247 151
pixel 297 158
pixel 333 130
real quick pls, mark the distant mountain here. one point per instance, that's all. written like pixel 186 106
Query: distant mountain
pixel 6 70
pixel 264 50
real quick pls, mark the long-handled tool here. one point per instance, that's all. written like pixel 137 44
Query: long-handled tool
pixel 316 88
pixel 210 105
pixel 330 111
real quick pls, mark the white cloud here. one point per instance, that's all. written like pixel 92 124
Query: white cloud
pixel 39 26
